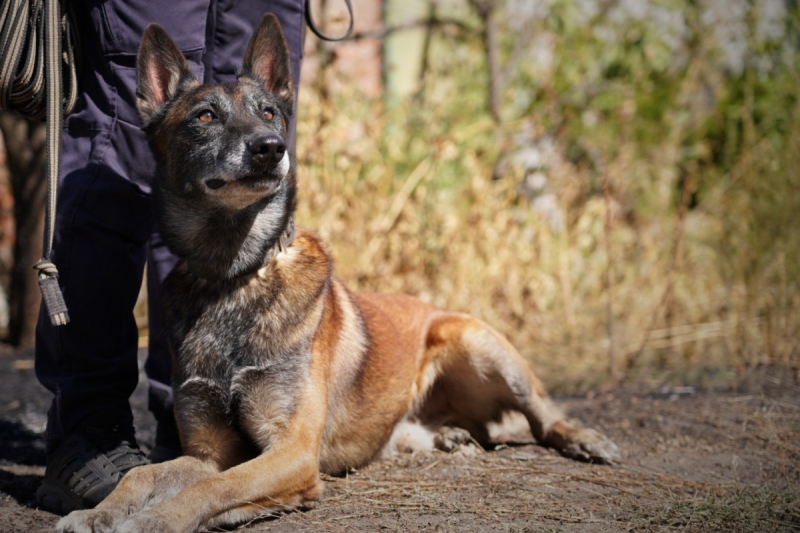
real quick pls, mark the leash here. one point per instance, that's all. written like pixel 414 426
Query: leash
pixel 321 35
pixel 31 77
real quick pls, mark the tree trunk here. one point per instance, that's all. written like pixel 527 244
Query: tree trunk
pixel 25 155
pixel 487 12
pixel 496 81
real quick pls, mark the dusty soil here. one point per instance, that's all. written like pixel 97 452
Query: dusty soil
pixel 692 462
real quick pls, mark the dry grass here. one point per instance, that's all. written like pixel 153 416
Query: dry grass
pixel 411 210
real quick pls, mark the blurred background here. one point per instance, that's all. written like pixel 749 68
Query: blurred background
pixel 613 184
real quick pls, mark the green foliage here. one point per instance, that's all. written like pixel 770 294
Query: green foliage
pixel 691 261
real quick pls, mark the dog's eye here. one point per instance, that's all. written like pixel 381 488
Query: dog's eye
pixel 269 114
pixel 206 116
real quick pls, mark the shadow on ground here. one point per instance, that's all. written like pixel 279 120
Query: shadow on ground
pixel 19 445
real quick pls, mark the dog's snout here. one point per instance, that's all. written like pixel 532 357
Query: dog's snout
pixel 268 150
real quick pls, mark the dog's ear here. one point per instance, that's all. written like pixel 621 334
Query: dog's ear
pixel 161 70
pixel 267 60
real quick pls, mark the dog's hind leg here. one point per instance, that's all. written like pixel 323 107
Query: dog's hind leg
pixel 141 488
pixel 471 375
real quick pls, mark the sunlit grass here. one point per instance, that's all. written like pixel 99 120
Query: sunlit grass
pixel 702 278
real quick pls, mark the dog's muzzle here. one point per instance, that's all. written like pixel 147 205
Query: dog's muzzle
pixel 269 163
pixel 267 150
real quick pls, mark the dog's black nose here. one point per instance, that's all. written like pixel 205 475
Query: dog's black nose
pixel 267 150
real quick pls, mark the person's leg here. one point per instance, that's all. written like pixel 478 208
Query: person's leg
pixel 228 31
pixel 103 223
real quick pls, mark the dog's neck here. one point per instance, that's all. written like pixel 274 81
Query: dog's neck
pixel 202 270
pixel 222 244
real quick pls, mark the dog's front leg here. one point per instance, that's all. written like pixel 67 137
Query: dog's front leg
pixel 284 476
pixel 141 488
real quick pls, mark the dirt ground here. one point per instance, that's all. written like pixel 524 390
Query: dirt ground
pixel 693 462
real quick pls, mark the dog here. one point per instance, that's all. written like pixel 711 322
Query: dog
pixel 280 372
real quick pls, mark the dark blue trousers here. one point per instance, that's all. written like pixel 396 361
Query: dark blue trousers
pixel 105 230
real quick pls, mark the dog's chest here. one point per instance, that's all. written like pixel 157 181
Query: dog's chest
pixel 242 356
pixel 235 340
pixel 242 348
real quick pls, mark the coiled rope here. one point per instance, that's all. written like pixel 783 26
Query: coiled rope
pixel 33 68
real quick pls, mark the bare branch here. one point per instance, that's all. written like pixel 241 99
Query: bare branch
pixel 432 22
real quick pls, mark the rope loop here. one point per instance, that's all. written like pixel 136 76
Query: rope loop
pixel 46 268
pixel 24 38
pixel 318 32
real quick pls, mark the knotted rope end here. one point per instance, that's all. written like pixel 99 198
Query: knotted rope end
pixel 51 293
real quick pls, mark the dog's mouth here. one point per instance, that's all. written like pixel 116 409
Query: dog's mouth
pixel 251 181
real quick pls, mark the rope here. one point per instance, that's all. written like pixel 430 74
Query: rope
pixel 23 60
pixel 321 35
pixel 31 78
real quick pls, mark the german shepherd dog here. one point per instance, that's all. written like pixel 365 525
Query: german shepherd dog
pixel 280 372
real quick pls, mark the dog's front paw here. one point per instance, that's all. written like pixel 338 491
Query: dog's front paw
pixel 91 521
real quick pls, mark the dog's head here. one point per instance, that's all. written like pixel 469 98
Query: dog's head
pixel 225 188
pixel 224 144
